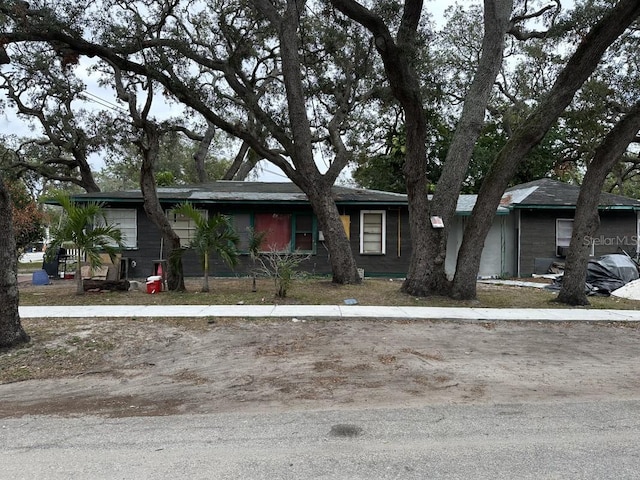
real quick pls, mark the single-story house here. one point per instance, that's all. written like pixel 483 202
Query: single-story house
pixel 531 228
pixel 375 222
pixel 543 212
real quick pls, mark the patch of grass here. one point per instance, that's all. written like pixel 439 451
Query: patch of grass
pixel 58 348
pixel 70 347
pixel 29 267
pixel 310 291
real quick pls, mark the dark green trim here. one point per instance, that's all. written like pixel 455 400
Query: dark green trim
pixel 172 201
pixel 294 214
pixel 573 207
pixel 468 213
pixel 383 275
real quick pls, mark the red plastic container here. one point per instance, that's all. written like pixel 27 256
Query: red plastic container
pixel 154 284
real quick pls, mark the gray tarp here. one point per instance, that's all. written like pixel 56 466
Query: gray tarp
pixel 610 272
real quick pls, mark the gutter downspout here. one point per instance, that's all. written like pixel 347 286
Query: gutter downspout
pixel 519 224
pixel 399 236
pixel 503 245
pixel 637 233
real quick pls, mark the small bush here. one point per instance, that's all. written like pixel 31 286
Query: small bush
pixel 281 267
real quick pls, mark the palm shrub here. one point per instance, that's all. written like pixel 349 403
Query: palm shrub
pixel 213 235
pixel 85 227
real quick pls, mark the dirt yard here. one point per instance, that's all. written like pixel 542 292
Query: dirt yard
pixel 133 367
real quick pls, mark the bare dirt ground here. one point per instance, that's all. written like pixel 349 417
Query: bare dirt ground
pixel 133 367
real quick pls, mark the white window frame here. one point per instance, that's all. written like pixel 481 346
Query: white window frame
pixel 564 242
pixel 382 234
pixel 126 220
pixel 184 226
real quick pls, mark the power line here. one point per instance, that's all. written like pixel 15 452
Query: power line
pixel 90 97
pixel 103 101
pixel 275 173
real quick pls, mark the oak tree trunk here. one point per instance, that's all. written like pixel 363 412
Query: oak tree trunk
pixel 397 56
pixel 426 274
pixel 201 154
pixel 587 220
pixel 496 23
pixel 306 175
pixel 230 174
pixel 343 264
pixel 171 249
pixel 11 331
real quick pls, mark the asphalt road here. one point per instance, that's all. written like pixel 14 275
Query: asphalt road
pixel 533 441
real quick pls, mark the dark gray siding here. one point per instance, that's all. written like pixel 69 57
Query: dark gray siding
pixel 538 236
pixel 617 231
pixel 393 263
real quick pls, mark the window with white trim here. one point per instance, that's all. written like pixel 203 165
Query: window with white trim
pixel 184 226
pixel 125 220
pixel 373 230
pixel 564 230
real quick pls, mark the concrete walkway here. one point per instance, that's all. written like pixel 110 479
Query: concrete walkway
pixel 331 311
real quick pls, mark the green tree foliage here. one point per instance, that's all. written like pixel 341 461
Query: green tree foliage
pixel 29 220
pixel 85 228
pixel 46 96
pixel 175 164
pixel 544 161
pixel 383 171
pixel 213 235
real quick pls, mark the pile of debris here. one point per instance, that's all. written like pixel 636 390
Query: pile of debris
pixel 614 274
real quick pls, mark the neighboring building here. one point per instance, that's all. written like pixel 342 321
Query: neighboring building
pixel 531 228
pixel 543 213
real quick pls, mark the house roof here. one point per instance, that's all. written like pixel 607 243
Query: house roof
pixel 228 191
pixel 239 192
pixel 548 193
pixel 543 193
pixel 466 202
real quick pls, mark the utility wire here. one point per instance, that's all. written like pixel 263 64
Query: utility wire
pixel 275 173
pixel 90 97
